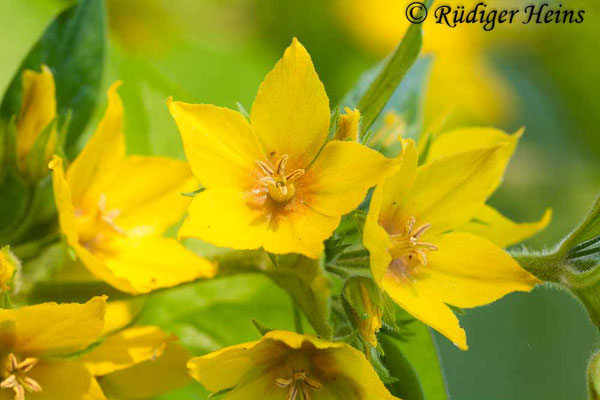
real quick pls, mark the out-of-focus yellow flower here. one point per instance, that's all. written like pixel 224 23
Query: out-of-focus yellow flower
pixel 288 365
pixel 273 181
pixel 38 110
pixel 113 210
pixel 420 255
pixel 34 344
pixel 7 267
pixel 462 80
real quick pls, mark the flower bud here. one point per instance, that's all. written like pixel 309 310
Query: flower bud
pixel 348 125
pixel 36 133
pixel 366 303
pixel 8 265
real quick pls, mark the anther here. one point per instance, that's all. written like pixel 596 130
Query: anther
pixel 17 380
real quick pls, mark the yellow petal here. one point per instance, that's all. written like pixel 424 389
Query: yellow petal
pixel 120 314
pixel 150 378
pixel 128 347
pixel 142 264
pixel 495 227
pixel 468 139
pixel 236 360
pixel 448 192
pixel 7 267
pixel 38 109
pixel 51 329
pixel 101 157
pixel 223 217
pixel 348 125
pixel 301 231
pixel 376 239
pixel 410 296
pixel 291 111
pixel 147 193
pixel 64 380
pixel 219 144
pixel 468 271
pixel 63 200
pixel 397 187
pixel 341 175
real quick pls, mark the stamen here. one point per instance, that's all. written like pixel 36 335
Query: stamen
pixel 17 380
pixel 299 381
pixel 280 185
pixel 407 246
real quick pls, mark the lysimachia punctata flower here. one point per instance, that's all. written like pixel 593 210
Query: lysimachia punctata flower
pixel 419 254
pixel 38 111
pixel 136 362
pixel 287 365
pixel 274 181
pixel 114 209
pixel 37 345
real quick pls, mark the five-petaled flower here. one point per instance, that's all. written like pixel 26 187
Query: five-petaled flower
pixel 287 365
pixel 421 255
pixel 36 348
pixel 113 210
pixel 273 182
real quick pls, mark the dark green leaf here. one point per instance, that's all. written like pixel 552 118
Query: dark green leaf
pixel 584 237
pixel 73 46
pixel 419 351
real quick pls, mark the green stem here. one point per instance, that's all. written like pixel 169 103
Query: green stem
pixel 297 318
pixel 547 267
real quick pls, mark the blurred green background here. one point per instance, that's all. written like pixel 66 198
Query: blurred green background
pixel 543 77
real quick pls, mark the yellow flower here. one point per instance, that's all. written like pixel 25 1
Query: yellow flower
pixel 137 362
pixel 7 267
pixel 113 210
pixel 38 110
pixel 420 255
pixel 463 81
pixel 288 365
pixel 273 181
pixel 34 344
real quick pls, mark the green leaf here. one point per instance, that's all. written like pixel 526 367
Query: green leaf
pixel 594 377
pixel 377 95
pixel 416 347
pixel 407 385
pixel 73 46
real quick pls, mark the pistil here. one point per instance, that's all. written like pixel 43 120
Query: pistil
pixel 280 185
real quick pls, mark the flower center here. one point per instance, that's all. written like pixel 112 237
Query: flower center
pixel 91 226
pixel 15 376
pixel 299 382
pixel 407 246
pixel 280 185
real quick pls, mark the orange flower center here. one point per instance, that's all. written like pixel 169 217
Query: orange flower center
pixel 15 376
pixel 299 382
pixel 408 250
pixel 280 185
